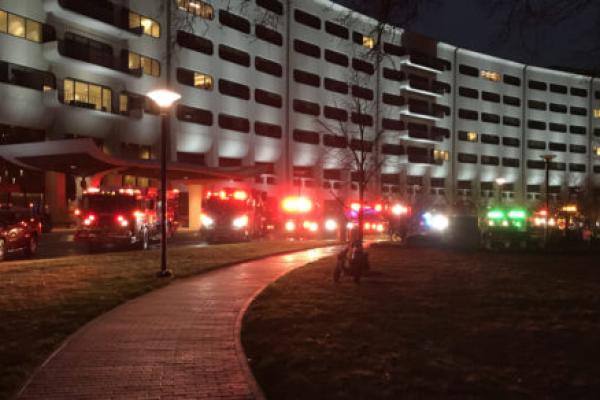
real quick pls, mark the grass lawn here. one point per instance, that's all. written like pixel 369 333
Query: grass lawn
pixel 44 301
pixel 431 323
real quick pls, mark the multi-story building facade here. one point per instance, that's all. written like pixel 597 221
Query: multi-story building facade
pixel 274 84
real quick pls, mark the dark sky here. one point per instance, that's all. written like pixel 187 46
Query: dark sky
pixel 472 24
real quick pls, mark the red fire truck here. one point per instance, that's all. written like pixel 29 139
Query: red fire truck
pixel 232 214
pixel 300 217
pixel 123 217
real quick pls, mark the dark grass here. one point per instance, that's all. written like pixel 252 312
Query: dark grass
pixel 44 301
pixel 431 323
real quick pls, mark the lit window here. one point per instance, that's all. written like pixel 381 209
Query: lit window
pixel 3 21
pixel 197 7
pixel 472 136
pixel 597 113
pixel 203 81
pixel 34 31
pixel 597 151
pixel 134 61
pixel 368 42
pixel 95 96
pixel 87 94
pixel 490 75
pixel 149 26
pixel 149 66
pixel 69 91
pixel 106 100
pixel 16 25
pixel 155 68
pixel 440 155
pixel 47 88
pixel 123 103
pixel 81 92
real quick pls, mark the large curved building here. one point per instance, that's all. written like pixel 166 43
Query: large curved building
pixel 276 84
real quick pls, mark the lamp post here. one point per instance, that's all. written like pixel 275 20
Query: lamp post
pixel 547 159
pixel 499 184
pixel 164 99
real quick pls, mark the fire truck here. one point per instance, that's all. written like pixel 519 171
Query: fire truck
pixel 232 214
pixel 398 216
pixel 374 221
pixel 505 228
pixel 300 217
pixel 123 217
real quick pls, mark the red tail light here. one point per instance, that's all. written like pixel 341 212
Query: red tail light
pixel 89 220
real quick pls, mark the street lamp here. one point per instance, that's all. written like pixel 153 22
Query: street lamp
pixel 499 183
pixel 547 159
pixel 164 99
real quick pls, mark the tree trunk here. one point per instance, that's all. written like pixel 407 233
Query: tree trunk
pixel 361 201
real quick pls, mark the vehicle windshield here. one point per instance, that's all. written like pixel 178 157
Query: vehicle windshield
pixel 108 203
pixel 219 206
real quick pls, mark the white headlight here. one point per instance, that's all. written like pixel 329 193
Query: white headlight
pixel 439 222
pixel 290 226
pixel 331 225
pixel 206 221
pixel 240 222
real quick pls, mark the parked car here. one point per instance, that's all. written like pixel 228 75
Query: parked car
pixel 19 232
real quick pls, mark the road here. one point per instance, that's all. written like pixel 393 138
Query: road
pixel 59 243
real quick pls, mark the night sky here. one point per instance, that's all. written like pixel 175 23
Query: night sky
pixel 472 24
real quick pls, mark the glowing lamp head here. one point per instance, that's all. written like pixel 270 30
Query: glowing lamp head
pixel 164 98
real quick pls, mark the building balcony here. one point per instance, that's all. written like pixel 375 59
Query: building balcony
pixel 413 86
pixel 89 59
pixel 431 135
pixel 99 15
pixel 423 159
pixel 423 63
pixel 55 99
pixel 422 112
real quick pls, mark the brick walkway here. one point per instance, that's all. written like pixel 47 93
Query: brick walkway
pixel 179 342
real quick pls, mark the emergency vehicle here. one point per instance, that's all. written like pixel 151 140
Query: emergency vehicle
pixel 506 227
pixel 398 216
pixel 123 217
pixel 373 219
pixel 232 214
pixel 301 218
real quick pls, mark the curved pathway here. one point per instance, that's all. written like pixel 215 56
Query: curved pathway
pixel 179 342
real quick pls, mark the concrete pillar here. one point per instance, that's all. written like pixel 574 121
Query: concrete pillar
pixel 195 195
pixel 56 197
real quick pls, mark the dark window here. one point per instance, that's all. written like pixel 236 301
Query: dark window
pixel 336 30
pixel 268 98
pixel 362 92
pixel 393 100
pixel 357 38
pixel 512 101
pixel 490 139
pixel 557 146
pixel 554 127
pixel 577 148
pixel 510 162
pixel 266 129
pixel 234 123
pixel 363 66
pixel 394 49
pixel 578 92
pixel 537 105
pixel 559 108
pixel 437 182
pixel 511 142
pixel 364 146
pixel 335 86
pixel 234 21
pixel 306 107
pixel 392 124
pixel 468 92
pixel 468 114
pixel 194 42
pixel 467 158
pixel 307 49
pixel 191 158
pixel 468 70
pixel 493 97
pixel 335 141
pixel 490 118
pixel 234 55
pixel 537 85
pixel 539 125
pixel 596 132
pixel 597 94
pixel 230 162
pixel 307 78
pixel 558 88
pixel 536 145
pixel 185 77
pixel 577 167
pixel 597 169
pixel 578 111
pixel 536 164
pixel 335 113
pixel 512 80
pixel 392 149
pixel 195 115
pixel 307 19
pixel 511 121
pixel 268 66
pixel 336 58
pixel 361 119
pixel 268 35
pixel 234 89
pixel 303 136
pixel 490 160
pixel 271 5
pixel 394 75
pixel 577 130
pixel 557 166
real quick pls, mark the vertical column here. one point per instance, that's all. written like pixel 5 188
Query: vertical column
pixel 195 193
pixel 55 194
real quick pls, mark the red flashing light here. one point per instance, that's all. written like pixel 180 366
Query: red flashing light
pixel 240 195
pixel 77 212
pixel 378 207
pixel 543 212
pixel 89 220
pixel 296 204
pixel 355 206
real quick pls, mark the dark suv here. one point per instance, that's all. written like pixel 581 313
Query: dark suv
pixel 19 232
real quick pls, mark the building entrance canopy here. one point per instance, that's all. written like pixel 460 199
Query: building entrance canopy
pixel 81 157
